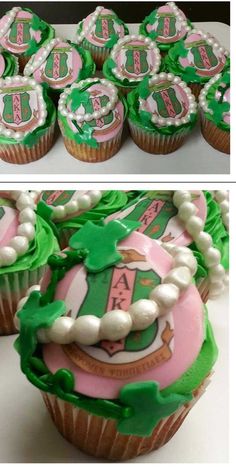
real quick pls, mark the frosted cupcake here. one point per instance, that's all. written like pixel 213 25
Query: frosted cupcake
pixel 26 242
pixel 22 33
pixel 27 120
pixel 99 32
pixel 161 113
pixel 132 59
pixel 214 101
pixel 91 116
pixel 136 336
pixel 8 64
pixel 60 63
pixel 166 25
pixel 197 59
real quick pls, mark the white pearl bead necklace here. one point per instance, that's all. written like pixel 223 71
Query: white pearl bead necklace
pixel 194 226
pixel 45 51
pixel 123 42
pixel 19 244
pixel 80 37
pixel 117 324
pixel 222 197
pixel 179 15
pixel 84 201
pixel 113 99
pixel 210 40
pixel 11 17
pixel 159 121
pixel 203 94
pixel 23 81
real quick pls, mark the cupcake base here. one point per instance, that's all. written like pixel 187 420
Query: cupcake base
pixel 22 62
pixel 156 143
pixel 86 153
pixel 217 138
pixel 99 437
pixel 21 154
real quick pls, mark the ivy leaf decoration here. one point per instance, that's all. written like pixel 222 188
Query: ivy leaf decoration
pixel 182 50
pixel 152 18
pixel 146 407
pixel 32 49
pixel 100 242
pixel 153 35
pixel 78 98
pixel 144 90
pixel 85 135
pixel 112 41
pixel 190 74
pixel 110 63
pixel 219 108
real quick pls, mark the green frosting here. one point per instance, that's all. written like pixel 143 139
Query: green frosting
pixel 113 39
pixel 219 107
pixel 32 138
pixel 187 74
pixel 11 66
pixel 143 119
pixel 84 135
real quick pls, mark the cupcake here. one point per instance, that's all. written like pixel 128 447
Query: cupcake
pixel 164 216
pixel 99 32
pixel 70 210
pixel 123 330
pixel 91 116
pixel 60 63
pixel 27 120
pixel 166 25
pixel 197 59
pixel 8 64
pixel 161 113
pixel 131 60
pixel 214 101
pixel 22 33
pixel 26 242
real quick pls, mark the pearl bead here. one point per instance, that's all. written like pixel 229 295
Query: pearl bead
pixel 8 256
pixel 95 196
pixel 181 196
pixel 27 215
pixel 203 241
pixel 115 325
pixel 224 206
pixel 216 273
pixel 71 207
pixel 186 210
pixel 24 201
pixel 84 202
pixel 186 260
pixel 86 330
pixel 60 330
pixel 181 277
pixel 212 257
pixel 165 295
pixel 33 288
pixel 143 313
pixel 58 212
pixel 42 336
pixel 21 303
pixel 194 225
pixel 19 244
pixel 221 195
pixel 26 230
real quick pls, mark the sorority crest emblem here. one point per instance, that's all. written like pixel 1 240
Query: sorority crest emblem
pixel 19 107
pixel 2 65
pixel 168 26
pixel 62 66
pixel 117 288
pixel 168 100
pixel 135 59
pixel 20 33
pixel 105 27
pixel 57 198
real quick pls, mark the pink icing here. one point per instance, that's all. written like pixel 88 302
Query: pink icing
pixel 8 224
pixel 100 41
pixel 209 70
pixel 20 47
pixel 2 65
pixel 137 73
pixel 102 131
pixel 165 38
pixel 74 64
pixel 187 318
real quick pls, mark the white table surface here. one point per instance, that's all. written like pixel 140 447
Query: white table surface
pixel 27 433
pixel 194 157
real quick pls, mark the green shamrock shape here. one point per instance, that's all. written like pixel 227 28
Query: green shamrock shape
pixel 146 407
pixel 100 242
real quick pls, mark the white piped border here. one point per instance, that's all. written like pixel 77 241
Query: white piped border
pixel 203 103
pixel 20 244
pixel 33 64
pixel 191 99
pixel 82 202
pixel 23 81
pixel 130 38
pixel 195 227
pixel 210 40
pixel 62 106
pixel 179 15
pixel 117 324
pixel 80 37
pixel 12 14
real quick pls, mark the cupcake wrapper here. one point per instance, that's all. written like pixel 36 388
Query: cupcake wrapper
pixel 156 143
pixel 13 287
pixel 99 55
pixel 22 62
pixel 65 235
pixel 195 88
pixel 203 287
pixel 99 437
pixel 216 137
pixel 86 153
pixel 21 154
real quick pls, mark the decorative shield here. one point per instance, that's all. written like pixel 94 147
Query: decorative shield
pixel 104 27
pixel 167 103
pixel 16 108
pixel 57 198
pixel 166 26
pixel 56 65
pixel 136 60
pixel 20 32
pixel 95 104
pixel 204 57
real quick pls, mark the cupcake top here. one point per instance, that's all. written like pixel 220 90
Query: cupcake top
pixel 91 111
pixel 162 103
pixel 25 110
pixel 197 58
pixel 8 64
pixel 135 333
pixel 214 100
pixel 132 58
pixel 22 32
pixel 166 25
pixel 26 240
pixel 102 28
pixel 60 63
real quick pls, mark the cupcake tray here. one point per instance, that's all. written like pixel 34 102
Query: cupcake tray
pixel 196 156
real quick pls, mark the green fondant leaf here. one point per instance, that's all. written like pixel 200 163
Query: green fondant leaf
pixel 151 19
pixel 144 90
pixel 112 41
pixel 218 109
pixel 85 135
